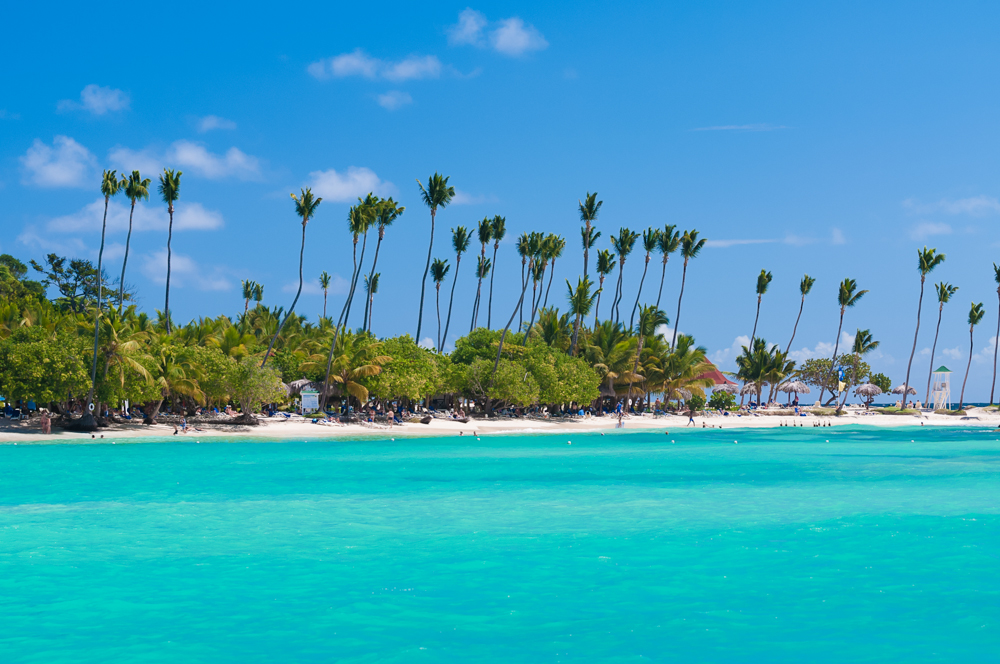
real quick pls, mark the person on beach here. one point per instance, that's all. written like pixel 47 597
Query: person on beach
pixel 46 423
pixel 691 422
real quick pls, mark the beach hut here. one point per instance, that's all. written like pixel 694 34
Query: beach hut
pixel 941 390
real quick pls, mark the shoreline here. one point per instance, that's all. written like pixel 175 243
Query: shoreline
pixel 303 428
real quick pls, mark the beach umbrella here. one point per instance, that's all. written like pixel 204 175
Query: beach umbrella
pixel 869 390
pixel 749 388
pixel 796 386
pixel 899 390
pixel 732 388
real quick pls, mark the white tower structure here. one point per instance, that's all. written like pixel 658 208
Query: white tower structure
pixel 941 388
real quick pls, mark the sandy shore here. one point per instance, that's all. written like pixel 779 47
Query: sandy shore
pixel 298 427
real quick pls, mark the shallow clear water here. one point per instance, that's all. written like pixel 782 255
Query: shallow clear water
pixel 618 548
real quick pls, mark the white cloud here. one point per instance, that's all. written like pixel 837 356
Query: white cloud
pixel 726 357
pixel 465 198
pixel 427 342
pixel 734 243
pixel 469 29
pixel 144 161
pixel 97 100
pixel 65 164
pixel 744 127
pixel 187 216
pixel 359 63
pixel 837 237
pixel 953 353
pixel 926 229
pixel 514 38
pixel 822 349
pixel 189 157
pixel 394 99
pixel 184 272
pixel 346 187
pixel 210 122
pixel 977 206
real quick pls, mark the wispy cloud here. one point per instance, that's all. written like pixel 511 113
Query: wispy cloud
pixel 743 127
pixel 837 236
pixel 736 242
pixel 465 198
pixel 97 100
pixel 359 63
pixel 190 157
pixel 185 272
pixel 346 186
pixel 976 206
pixel 187 217
pixel 65 164
pixel 7 115
pixel 394 99
pixel 210 122
pixel 510 36
pixel 926 229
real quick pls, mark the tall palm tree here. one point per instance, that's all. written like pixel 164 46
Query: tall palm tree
pixel 136 188
pixel 847 296
pixel 555 249
pixel 503 333
pixel 690 248
pixel 460 241
pixel 804 287
pixel 439 271
pixel 650 318
pixel 482 271
pixel 944 293
pixel 248 291
pixel 361 217
pixel 484 231
pixel 386 212
pixel 170 191
pixel 523 249
pixel 927 260
pixel 581 300
pixel 110 186
pixel 976 314
pixel 996 339
pixel 537 270
pixel 437 194
pixel 371 288
pixel 863 344
pixel 623 244
pixel 763 281
pixel 305 207
pixel 324 283
pixel 605 266
pixel 498 231
pixel 590 207
pixel 650 241
pixel 667 243
pixel 258 293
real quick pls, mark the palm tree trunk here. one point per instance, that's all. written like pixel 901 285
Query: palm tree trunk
pixel 586 250
pixel 663 276
pixel 97 310
pixel 618 291
pixel 794 329
pixel 371 305
pixel 489 306
pixel 930 371
pixel 496 363
pixel 475 306
pixel 128 239
pixel 677 319
pixel 635 306
pixel 324 304
pixel 833 361
pixel 423 282
pixel 333 344
pixel 531 322
pixel 166 304
pixel 961 397
pixel 552 274
pixel 451 300
pixel 354 282
pixel 367 319
pixel 576 333
pixel 524 286
pixel 913 351
pixel 302 251
pixel 753 335
pixel 438 298
pixel 597 307
pixel 996 344
pixel 635 368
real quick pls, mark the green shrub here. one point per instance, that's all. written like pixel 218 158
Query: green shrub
pixel 722 401
pixel 696 402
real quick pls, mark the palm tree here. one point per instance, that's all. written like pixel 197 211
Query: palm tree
pixel 439 270
pixel 804 287
pixel 763 281
pixel 110 186
pixel 305 207
pixel 258 293
pixel 650 241
pixel 623 244
pixel 581 300
pixel 927 260
pixel 360 219
pixel 136 188
pixel 324 283
pixel 650 318
pixel 996 340
pixel 944 293
pixel 537 274
pixel 555 249
pixel 590 207
pixel 667 243
pixel 503 333
pixel 170 191
pixel 863 344
pixel 605 266
pixel 386 212
pixel 482 271
pixel 976 314
pixel 460 241
pixel 498 230
pixel 355 357
pixel 847 296
pixel 523 249
pixel 371 287
pixel 690 248
pixel 437 194
pixel 248 291
pixel 484 232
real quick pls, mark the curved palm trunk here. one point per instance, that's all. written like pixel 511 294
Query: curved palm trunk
pixel 520 304
pixel 128 240
pixel 367 321
pixel 531 322
pixel 913 351
pixel 302 251
pixel 677 319
pixel 354 282
pixel 795 329
pixel 503 335
pixel 753 335
pixel 423 282
pixel 537 304
pixel 930 371
pixel 333 344
pixel 438 298
pixel 97 311
pixel 618 291
pixel 833 360
pixel 663 276
pixel 635 306
pixel 552 274
pixel 489 306
pixel 170 235
pixel 475 306
pixel 597 307
pixel 961 397
pixel 996 344
pixel 451 300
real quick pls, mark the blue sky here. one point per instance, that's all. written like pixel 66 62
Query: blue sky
pixel 828 138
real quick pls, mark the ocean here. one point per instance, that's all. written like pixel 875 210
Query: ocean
pixel 844 544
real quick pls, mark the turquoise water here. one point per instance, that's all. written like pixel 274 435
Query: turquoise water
pixel 618 548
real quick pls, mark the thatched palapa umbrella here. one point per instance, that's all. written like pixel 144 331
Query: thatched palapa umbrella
pixel 899 390
pixel 869 391
pixel 732 388
pixel 794 386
